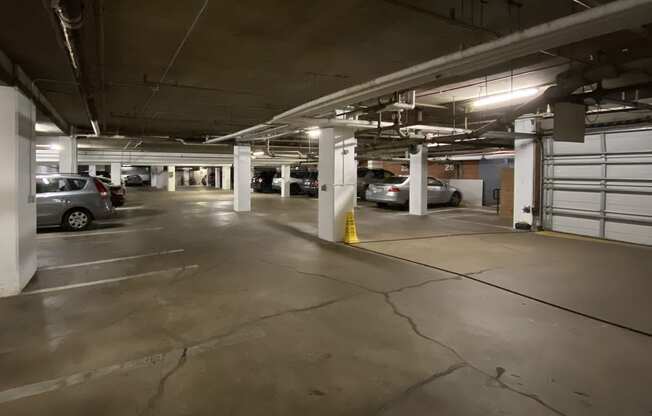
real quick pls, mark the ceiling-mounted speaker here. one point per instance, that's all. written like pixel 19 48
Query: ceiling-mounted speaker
pixel 569 122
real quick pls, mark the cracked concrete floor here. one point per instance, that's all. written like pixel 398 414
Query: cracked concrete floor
pixel 256 316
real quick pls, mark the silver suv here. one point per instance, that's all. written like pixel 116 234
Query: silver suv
pixel 71 201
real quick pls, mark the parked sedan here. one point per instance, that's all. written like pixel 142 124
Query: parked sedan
pixel 262 180
pixel 118 192
pixel 296 178
pixel 368 176
pixel 396 191
pixel 310 185
pixel 134 180
pixel 71 201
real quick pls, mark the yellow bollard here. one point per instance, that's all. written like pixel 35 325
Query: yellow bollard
pixel 350 233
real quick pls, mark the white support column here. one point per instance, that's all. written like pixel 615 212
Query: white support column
pixel 67 154
pixel 226 177
pixel 524 171
pixel 172 178
pixel 218 178
pixel 419 181
pixel 186 177
pixel 92 170
pixel 285 181
pixel 116 171
pixel 337 181
pixel 242 179
pixel 17 205
pixel 153 176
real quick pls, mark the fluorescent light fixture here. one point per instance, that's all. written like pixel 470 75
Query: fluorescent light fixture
pixel 41 127
pixel 96 127
pixel 313 132
pixel 509 96
pixel 259 153
pixel 55 147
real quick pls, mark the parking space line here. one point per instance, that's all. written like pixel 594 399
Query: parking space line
pixel 93 233
pixel 105 281
pixel 113 260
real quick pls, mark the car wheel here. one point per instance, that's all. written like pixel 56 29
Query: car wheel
pixel 77 219
pixel 455 200
pixel 381 204
pixel 363 195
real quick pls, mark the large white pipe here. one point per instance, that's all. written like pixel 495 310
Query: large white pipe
pixel 590 23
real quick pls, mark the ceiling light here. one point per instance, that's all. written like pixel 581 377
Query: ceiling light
pixel 96 127
pixel 55 147
pixel 259 153
pixel 42 127
pixel 313 132
pixel 501 98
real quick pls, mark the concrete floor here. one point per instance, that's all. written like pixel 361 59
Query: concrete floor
pixel 202 311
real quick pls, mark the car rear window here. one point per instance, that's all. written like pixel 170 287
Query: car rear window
pixel 44 185
pixel 76 184
pixel 395 180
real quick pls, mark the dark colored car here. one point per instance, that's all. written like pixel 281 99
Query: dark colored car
pixel 368 176
pixel 209 179
pixel 133 180
pixel 296 178
pixel 118 192
pixel 262 180
pixel 310 185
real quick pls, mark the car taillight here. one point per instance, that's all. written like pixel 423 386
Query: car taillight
pixel 393 189
pixel 316 183
pixel 101 188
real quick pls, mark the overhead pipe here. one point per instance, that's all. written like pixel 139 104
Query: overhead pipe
pixel 590 23
pixel 69 19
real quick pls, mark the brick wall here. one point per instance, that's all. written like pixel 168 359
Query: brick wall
pixel 467 169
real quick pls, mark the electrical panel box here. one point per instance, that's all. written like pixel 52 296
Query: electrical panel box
pixel 569 122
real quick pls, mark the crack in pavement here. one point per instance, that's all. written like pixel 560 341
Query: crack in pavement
pixel 407 392
pixel 153 401
pixel 199 347
pixel 466 363
pixel 415 328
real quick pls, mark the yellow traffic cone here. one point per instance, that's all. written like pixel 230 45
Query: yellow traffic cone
pixel 350 233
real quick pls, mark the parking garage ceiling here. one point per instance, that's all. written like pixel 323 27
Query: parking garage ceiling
pixel 206 68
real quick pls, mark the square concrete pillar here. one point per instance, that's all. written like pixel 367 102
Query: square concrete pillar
pixel 153 176
pixel 218 181
pixel 67 154
pixel 242 178
pixel 419 181
pixel 116 171
pixel 226 177
pixel 172 178
pixel 92 170
pixel 186 177
pixel 337 181
pixel 524 171
pixel 17 187
pixel 285 181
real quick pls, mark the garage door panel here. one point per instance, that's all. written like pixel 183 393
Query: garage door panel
pixel 577 171
pixel 633 233
pixel 573 225
pixel 630 171
pixel 629 204
pixel 589 201
pixel 633 141
pixel 591 144
pixel 600 188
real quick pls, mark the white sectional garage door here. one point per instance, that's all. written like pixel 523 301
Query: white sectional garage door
pixel 600 188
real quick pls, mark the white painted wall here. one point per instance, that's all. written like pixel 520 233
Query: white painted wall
pixel 18 261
